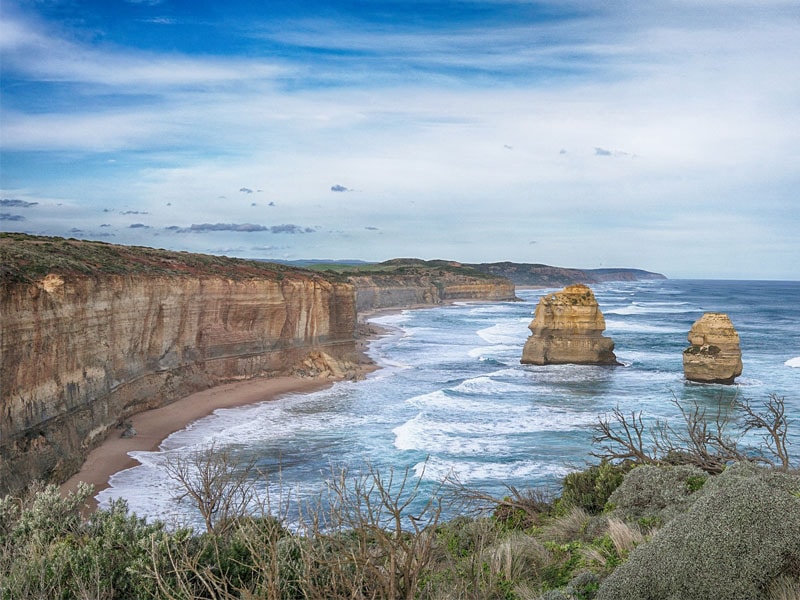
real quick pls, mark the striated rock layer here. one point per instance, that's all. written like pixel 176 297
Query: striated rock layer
pixel 79 354
pixel 93 333
pixel 714 355
pixel 567 327
pixel 410 282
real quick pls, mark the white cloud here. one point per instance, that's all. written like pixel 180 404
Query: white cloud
pixel 700 104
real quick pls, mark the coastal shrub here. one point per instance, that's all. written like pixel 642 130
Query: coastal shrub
pixel 656 494
pixel 591 488
pixel 48 551
pixel 740 536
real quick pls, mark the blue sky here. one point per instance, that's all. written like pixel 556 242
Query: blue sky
pixel 663 135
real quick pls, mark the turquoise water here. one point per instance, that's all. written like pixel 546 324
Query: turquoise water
pixel 452 399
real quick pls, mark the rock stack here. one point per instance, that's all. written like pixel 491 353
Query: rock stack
pixel 714 355
pixel 567 328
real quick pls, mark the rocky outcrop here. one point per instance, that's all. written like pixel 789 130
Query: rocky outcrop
pixel 81 352
pixel 714 355
pixel 567 328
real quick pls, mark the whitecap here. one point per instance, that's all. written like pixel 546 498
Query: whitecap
pixel 793 362
pixel 645 308
pixel 466 471
pixel 487 386
pixel 626 326
pixel 509 332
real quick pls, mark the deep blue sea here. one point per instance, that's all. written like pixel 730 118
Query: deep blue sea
pixel 452 399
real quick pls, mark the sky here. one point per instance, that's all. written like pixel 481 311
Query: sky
pixel 662 135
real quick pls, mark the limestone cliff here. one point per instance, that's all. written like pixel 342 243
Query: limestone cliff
pixel 83 347
pixel 567 328
pixel 93 333
pixel 403 283
pixel 714 355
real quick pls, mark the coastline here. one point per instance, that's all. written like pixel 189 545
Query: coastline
pixel 155 425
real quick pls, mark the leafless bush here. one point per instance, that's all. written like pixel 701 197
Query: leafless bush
pixel 377 530
pixel 221 485
pixel 709 442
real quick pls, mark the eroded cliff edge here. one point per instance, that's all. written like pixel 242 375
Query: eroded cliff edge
pixel 84 346
pixel 93 333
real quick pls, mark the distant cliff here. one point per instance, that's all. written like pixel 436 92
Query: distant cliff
pixel 536 275
pixel 93 333
pixel 409 282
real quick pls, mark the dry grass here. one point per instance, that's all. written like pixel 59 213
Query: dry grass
pixel 517 557
pixel 784 588
pixel 625 537
pixel 570 527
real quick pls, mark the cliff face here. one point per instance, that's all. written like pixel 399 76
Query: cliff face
pixel 409 282
pixel 81 353
pixel 567 327
pixel 93 333
pixel 714 355
pixel 379 292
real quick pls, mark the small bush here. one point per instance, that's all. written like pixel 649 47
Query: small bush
pixel 658 494
pixel 590 489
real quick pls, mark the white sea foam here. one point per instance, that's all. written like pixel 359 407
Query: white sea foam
pixel 467 437
pixel 507 332
pixel 466 471
pixel 793 362
pixel 647 308
pixel 613 325
pixel 492 309
pixel 485 385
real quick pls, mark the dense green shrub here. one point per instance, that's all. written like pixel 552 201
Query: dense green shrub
pixel 740 535
pixel 591 488
pixel 655 495
pixel 48 551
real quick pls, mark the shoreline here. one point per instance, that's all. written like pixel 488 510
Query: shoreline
pixel 155 425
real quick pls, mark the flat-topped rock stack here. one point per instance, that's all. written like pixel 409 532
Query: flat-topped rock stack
pixel 714 355
pixel 567 328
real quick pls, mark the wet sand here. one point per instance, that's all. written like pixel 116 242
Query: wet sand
pixel 153 426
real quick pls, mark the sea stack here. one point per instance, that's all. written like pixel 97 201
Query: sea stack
pixel 714 355
pixel 567 328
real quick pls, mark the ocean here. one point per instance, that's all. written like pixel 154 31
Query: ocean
pixel 451 399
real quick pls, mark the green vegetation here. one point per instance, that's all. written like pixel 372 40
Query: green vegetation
pixel 660 535
pixel 26 258
pixel 405 267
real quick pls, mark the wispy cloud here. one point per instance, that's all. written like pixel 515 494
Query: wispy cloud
pixel 422 113
pixel 16 203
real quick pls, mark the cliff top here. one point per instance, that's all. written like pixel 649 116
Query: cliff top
pixel 26 258
pixel 539 275
pixel 405 266
pixel 572 295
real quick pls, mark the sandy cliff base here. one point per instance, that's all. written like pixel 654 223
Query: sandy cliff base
pixel 153 426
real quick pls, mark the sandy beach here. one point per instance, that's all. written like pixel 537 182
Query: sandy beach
pixel 154 426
